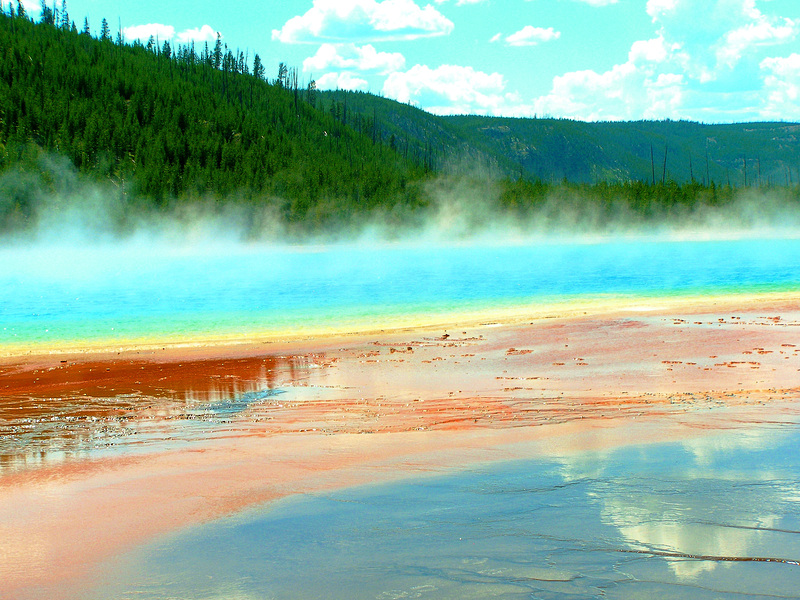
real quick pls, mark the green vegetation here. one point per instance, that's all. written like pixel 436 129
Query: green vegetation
pixel 157 131
pixel 167 126
pixel 553 150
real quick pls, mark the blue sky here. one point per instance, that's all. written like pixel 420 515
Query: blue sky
pixel 703 60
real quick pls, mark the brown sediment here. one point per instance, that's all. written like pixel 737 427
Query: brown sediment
pixel 355 410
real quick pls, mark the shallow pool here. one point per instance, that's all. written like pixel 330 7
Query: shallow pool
pixel 51 295
pixel 717 516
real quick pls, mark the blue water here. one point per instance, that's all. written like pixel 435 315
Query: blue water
pixel 111 292
pixel 714 517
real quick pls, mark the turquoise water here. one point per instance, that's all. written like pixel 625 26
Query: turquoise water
pixel 713 517
pixel 54 294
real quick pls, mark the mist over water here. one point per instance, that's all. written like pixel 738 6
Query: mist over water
pixel 92 264
pixel 462 205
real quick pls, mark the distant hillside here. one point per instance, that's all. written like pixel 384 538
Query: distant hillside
pixel 746 154
pixel 742 154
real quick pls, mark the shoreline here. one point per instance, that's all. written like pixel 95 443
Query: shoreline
pixel 513 315
pixel 354 410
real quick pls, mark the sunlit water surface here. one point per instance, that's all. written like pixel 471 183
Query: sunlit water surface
pixel 716 517
pixel 55 295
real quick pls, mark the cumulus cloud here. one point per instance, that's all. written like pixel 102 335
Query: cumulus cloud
pixel 205 33
pixel 697 44
pixel 782 85
pixel 363 20
pixel 164 33
pixel 650 51
pixel 715 36
pixel 342 81
pixel 31 6
pixel 143 32
pixel 350 56
pixel 531 36
pixel 757 33
pixel 632 90
pixel 448 89
pixel 656 8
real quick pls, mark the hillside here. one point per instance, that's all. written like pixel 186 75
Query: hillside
pixel 740 154
pixel 166 126
pixel 619 151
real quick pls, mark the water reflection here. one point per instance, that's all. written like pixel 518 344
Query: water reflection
pixel 668 521
pixel 79 410
pixel 706 503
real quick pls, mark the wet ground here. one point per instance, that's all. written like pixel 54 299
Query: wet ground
pixel 657 457
pixel 713 517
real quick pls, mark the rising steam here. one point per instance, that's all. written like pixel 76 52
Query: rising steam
pixel 55 204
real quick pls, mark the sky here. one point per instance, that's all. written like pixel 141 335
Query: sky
pixel 713 61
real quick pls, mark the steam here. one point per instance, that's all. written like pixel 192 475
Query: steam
pixel 53 204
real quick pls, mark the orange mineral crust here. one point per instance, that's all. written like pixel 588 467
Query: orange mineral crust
pixel 100 452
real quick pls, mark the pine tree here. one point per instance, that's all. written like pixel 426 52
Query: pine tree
pixel 283 71
pixel 218 51
pixel 64 16
pixel 311 93
pixel 258 67
pixel 86 30
pixel 21 10
pixel 47 14
pixel 105 30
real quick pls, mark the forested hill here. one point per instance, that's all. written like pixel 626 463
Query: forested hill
pixel 553 150
pixel 169 125
pixel 738 154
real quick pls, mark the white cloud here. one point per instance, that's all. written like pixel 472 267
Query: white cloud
pixel 530 36
pixel 30 6
pixel 160 32
pixel 165 33
pixel 654 50
pixel 350 56
pixel 715 35
pixel 448 89
pixel 782 86
pixel 205 33
pixel 697 43
pixel 760 32
pixel 655 8
pixel 591 2
pixel 364 20
pixel 635 89
pixel 341 81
